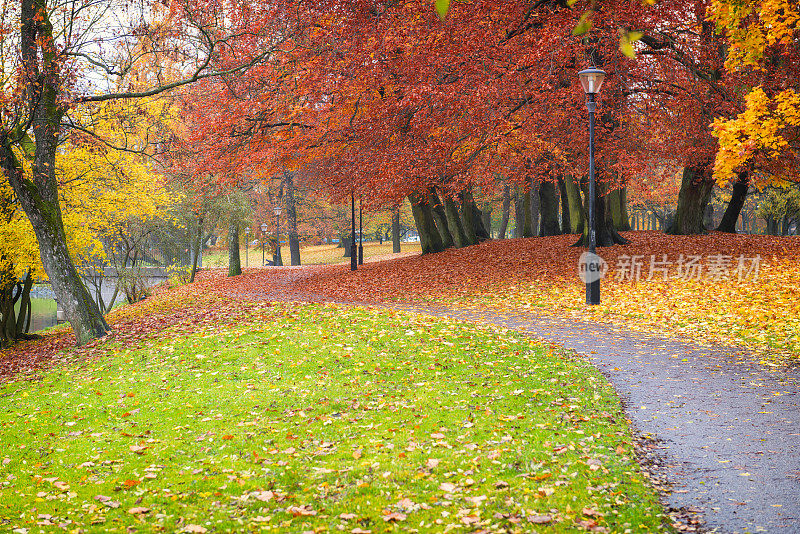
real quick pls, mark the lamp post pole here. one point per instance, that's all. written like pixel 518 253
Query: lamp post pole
pixel 591 81
pixel 593 286
pixel 264 229
pixel 278 259
pixel 353 250
pixel 361 230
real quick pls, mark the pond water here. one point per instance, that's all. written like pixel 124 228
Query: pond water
pixel 44 306
pixel 44 314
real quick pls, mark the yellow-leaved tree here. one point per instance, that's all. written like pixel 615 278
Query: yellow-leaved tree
pixel 762 34
pixel 105 195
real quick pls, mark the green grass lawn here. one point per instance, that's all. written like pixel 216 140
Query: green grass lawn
pixel 311 255
pixel 317 418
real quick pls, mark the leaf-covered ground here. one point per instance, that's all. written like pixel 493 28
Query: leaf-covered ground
pixel 541 274
pixel 231 417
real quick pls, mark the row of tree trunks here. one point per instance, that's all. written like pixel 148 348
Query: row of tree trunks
pixel 442 223
pixel 606 233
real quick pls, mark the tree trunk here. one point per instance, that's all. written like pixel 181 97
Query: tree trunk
pixel 8 320
pixel 519 212
pixel 532 211
pixel 501 233
pixel 291 218
pixel 708 216
pixel 195 246
pixel 396 231
pixel 234 258
pixel 613 206
pixel 695 192
pixel 429 237
pixel 573 205
pixel 440 217
pixel 738 196
pixel 347 242
pixel 624 222
pixel 455 224
pixel 487 219
pixel 548 202
pixel 565 218
pixel 470 218
pixel 619 200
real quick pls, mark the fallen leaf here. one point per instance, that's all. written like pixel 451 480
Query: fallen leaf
pixel 447 486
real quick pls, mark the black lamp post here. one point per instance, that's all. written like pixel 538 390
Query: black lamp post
pixel 278 259
pixel 246 243
pixel 361 230
pixel 592 80
pixel 264 229
pixel 353 251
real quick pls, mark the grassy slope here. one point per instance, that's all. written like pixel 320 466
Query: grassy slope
pixel 295 418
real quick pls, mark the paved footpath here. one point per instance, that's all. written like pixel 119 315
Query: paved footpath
pixel 728 428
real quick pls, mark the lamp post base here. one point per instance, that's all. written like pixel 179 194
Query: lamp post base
pixel 593 293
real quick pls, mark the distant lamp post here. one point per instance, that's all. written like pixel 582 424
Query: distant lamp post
pixel 353 250
pixel 591 81
pixel 278 259
pixel 264 229
pixel 361 230
pixel 246 249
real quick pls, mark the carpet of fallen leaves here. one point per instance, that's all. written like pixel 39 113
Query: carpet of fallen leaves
pixel 540 274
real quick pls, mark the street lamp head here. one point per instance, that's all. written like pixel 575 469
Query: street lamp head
pixel 264 228
pixel 277 210
pixel 591 80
